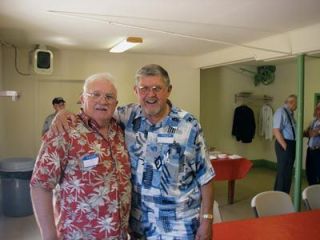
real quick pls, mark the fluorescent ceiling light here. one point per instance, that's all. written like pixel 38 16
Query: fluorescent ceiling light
pixel 126 44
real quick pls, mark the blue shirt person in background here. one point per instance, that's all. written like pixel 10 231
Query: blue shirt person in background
pixel 313 151
pixel 284 126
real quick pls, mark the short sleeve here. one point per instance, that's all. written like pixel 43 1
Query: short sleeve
pixel 123 114
pixel 50 160
pixel 277 119
pixel 204 169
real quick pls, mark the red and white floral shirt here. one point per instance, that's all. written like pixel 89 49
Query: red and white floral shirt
pixel 91 178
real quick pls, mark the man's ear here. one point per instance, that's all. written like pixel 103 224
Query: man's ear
pixel 135 89
pixel 169 88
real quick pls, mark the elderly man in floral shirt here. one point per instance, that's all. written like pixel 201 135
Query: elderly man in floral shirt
pixel 88 167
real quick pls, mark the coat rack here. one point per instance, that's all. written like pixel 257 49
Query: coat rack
pixel 252 97
pixel 13 94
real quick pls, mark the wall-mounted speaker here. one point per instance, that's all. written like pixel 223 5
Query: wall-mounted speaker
pixel 43 61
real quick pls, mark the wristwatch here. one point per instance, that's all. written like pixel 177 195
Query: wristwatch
pixel 207 216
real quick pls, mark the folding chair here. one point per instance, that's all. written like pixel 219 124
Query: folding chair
pixel 272 203
pixel 311 197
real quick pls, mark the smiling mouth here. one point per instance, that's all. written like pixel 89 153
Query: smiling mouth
pixel 103 109
pixel 151 101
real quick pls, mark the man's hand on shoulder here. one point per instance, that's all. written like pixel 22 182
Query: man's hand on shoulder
pixel 61 122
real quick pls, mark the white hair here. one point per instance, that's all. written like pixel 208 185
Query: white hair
pixel 291 96
pixel 107 77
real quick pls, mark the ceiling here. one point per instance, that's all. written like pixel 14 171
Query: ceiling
pixel 179 27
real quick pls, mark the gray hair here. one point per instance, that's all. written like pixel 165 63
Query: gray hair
pixel 107 77
pixel 291 96
pixel 153 70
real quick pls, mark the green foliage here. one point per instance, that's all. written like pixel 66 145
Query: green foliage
pixel 265 75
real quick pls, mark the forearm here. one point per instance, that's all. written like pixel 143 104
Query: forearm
pixel 43 210
pixel 207 195
pixel 277 134
pixel 204 231
pixel 314 132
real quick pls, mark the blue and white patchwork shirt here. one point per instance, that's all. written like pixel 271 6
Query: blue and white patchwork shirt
pixel 169 164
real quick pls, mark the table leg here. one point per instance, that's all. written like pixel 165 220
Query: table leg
pixel 231 187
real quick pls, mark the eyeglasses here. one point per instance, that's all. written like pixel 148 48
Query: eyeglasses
pixel 154 89
pixel 97 95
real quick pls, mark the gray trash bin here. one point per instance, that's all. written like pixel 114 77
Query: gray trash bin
pixel 15 175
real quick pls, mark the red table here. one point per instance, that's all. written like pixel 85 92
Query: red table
pixel 292 226
pixel 231 170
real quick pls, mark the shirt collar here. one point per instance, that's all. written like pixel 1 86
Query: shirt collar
pixel 286 107
pixel 92 124
pixel 88 121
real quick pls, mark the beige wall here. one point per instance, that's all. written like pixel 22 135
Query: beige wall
pixel 23 119
pixel 218 87
pixel 1 127
pixel 1 108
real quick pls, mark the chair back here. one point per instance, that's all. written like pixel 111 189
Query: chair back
pixel 216 213
pixel 311 197
pixel 272 203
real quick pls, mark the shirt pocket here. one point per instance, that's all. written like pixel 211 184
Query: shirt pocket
pixel 173 170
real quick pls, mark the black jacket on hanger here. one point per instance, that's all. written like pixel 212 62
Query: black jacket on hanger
pixel 244 125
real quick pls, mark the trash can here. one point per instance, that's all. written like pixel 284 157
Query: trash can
pixel 15 175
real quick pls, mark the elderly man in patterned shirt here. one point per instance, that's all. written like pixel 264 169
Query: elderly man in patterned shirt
pixel 89 169
pixel 172 177
pixel 172 195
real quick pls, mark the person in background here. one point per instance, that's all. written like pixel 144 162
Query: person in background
pixel 172 176
pixel 284 126
pixel 58 104
pixel 313 151
pixel 89 170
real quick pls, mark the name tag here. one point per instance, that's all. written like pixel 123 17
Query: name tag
pixel 90 160
pixel 165 138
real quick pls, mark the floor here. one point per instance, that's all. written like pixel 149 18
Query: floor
pixel 258 180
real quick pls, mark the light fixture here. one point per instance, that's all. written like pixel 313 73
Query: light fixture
pixel 126 44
